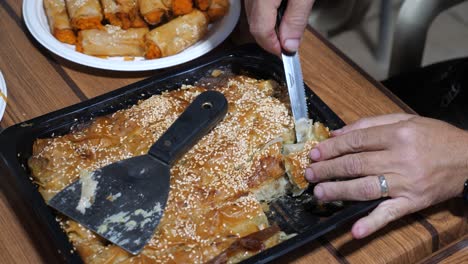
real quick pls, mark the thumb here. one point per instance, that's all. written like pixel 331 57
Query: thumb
pixel 386 212
pixel 293 23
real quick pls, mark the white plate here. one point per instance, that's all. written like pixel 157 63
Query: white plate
pixel 3 89
pixel 36 21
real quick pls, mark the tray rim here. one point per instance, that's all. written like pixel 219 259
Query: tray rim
pixel 30 194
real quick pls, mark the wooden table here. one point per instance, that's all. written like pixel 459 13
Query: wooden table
pixel 39 82
pixel 455 252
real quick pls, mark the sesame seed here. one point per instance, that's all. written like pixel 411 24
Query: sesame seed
pixel 211 191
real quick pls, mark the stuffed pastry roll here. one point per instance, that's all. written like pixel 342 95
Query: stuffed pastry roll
pixel 130 7
pixel 203 4
pixel 217 9
pixel 153 11
pixel 59 22
pixel 84 14
pixel 122 13
pixel 112 41
pixel 181 7
pixel 176 35
pixel 111 8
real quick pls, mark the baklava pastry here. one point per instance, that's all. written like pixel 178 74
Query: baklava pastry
pixel 176 35
pixel 85 14
pixel 59 22
pixel 112 41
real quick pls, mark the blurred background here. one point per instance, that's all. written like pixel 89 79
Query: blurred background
pixel 355 28
pixel 417 48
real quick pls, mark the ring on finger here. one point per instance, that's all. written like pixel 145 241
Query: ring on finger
pixel 383 185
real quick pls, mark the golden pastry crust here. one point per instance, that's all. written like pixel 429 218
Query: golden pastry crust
pixel 213 197
pixel 297 159
pixel 217 188
pixel 296 163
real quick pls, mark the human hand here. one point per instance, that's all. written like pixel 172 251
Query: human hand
pixel 424 161
pixel 261 15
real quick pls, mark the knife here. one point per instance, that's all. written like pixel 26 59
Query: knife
pixel 294 80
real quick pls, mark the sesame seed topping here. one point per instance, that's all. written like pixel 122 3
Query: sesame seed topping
pixel 211 201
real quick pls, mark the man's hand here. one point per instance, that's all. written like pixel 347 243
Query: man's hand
pixel 424 161
pixel 261 15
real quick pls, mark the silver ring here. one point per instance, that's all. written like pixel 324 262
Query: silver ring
pixel 383 186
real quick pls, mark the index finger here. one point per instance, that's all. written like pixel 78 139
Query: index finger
pixel 369 139
pixel 294 23
pixel 262 19
pixel 373 121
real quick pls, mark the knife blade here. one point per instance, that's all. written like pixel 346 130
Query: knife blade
pixel 294 80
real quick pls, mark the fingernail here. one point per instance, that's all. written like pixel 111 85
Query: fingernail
pixel 315 154
pixel 291 45
pixel 318 192
pixel 309 173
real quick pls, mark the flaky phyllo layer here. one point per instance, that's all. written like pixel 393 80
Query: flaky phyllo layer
pixel 219 190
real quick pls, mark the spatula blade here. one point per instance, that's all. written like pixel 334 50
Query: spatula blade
pixel 122 202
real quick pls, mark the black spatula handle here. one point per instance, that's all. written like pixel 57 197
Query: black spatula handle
pixel 197 120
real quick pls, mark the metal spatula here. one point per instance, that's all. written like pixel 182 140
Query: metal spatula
pixel 124 201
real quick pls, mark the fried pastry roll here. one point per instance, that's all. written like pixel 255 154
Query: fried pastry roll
pixel 59 22
pixel 153 11
pixel 112 41
pixel 181 7
pixel 84 14
pixel 122 13
pixel 111 8
pixel 130 8
pixel 217 9
pixel 203 4
pixel 176 35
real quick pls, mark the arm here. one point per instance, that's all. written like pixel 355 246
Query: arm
pixel 262 18
pixel 424 161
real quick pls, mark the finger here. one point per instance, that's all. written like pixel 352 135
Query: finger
pixel 352 165
pixel 372 121
pixel 369 139
pixel 262 18
pixel 360 189
pixel 293 23
pixel 386 212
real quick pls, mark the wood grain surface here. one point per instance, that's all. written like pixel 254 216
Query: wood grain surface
pixel 455 252
pixel 39 82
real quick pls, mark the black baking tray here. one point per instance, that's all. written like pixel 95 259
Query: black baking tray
pixel 297 215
